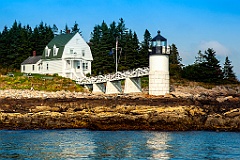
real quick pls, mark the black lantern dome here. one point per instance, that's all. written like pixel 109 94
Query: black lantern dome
pixel 159 45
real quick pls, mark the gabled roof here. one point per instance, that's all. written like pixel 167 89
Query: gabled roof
pixel 32 60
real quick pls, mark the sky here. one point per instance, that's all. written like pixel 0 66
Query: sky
pixel 192 25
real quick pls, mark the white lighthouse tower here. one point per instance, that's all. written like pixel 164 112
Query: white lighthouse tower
pixel 159 66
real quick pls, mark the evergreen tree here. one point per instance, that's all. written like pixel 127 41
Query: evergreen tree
pixel 41 36
pixel 130 51
pixel 105 48
pixel 175 62
pixel 228 74
pixel 211 67
pixel 199 59
pixel 121 28
pixel 4 45
pixel 144 53
pixel 136 48
pixel 76 29
pixel 55 29
pixel 205 69
pixel 95 49
pixel 66 29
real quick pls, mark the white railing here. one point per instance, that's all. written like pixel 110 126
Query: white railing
pixel 139 72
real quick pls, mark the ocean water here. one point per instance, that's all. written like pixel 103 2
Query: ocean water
pixel 86 144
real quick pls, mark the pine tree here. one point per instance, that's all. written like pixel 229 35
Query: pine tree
pixel 206 68
pixel 199 58
pixel 175 62
pixel 228 74
pixel 55 29
pixel 76 29
pixel 66 29
pixel 4 45
pixel 144 53
pixel 41 36
pixel 95 49
pixel 211 67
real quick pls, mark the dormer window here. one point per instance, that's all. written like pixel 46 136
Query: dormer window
pixel 55 50
pixel 47 51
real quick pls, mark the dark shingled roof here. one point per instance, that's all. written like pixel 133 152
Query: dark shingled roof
pixel 60 41
pixel 159 37
pixel 32 60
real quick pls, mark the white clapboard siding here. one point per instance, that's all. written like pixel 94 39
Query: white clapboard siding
pixel 52 67
pixel 78 45
pixel 28 68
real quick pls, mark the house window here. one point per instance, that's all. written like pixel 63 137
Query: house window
pixel 85 66
pixel 47 66
pixel 33 67
pixel 47 51
pixel 83 53
pixel 71 51
pixel 23 67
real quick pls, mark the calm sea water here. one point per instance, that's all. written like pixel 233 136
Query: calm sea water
pixel 85 144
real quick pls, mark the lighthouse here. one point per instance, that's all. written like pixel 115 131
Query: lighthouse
pixel 159 66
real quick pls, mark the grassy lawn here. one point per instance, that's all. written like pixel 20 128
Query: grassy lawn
pixel 19 80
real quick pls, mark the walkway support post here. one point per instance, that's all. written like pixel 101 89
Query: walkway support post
pixel 99 88
pixel 132 85
pixel 113 87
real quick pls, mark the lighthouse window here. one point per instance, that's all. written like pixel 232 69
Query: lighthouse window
pixel 154 43
pixel 163 43
pixel 158 43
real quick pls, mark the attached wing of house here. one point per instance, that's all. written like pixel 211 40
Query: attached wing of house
pixel 31 64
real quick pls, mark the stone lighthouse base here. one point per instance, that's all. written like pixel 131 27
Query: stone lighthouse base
pixel 158 83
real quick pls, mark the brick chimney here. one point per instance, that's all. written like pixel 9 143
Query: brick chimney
pixel 34 53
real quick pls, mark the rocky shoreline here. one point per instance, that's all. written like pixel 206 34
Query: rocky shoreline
pixel 192 109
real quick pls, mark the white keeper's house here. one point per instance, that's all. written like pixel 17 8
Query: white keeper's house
pixel 67 55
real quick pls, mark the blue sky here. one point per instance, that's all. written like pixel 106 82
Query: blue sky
pixel 192 25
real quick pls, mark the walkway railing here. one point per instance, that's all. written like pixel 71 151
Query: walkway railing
pixel 139 72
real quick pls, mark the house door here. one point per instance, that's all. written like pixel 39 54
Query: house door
pixel 77 66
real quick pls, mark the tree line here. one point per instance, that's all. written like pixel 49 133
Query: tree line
pixel 207 68
pixel 18 42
